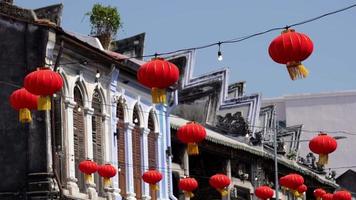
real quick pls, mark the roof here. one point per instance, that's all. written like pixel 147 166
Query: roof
pixel 218 138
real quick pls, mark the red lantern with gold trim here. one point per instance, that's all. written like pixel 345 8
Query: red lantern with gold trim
pixel 158 75
pixel 43 82
pixel 264 192
pixel 301 189
pixel 221 183
pixel 290 49
pixel 152 177
pixel 327 196
pixel 107 171
pixel 318 193
pixel 342 195
pixel 88 167
pixel 323 145
pixel 192 133
pixel 23 101
pixel 188 185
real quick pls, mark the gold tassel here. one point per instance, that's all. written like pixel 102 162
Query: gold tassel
pixel 154 187
pixel 295 193
pixel 107 182
pixel 88 178
pixel 158 96
pixel 193 149
pixel 323 160
pixel 318 198
pixel 223 192
pixel 44 103
pixel 25 115
pixel 296 70
pixel 188 194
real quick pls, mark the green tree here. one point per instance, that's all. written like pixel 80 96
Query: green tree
pixel 105 22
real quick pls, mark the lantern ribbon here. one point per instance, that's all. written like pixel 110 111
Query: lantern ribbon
pixel 223 191
pixel 25 115
pixel 296 70
pixel 188 194
pixel 323 159
pixel 44 103
pixel 158 95
pixel 154 187
pixel 88 178
pixel 193 149
pixel 107 182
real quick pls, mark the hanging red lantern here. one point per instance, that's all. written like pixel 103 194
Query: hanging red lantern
pixel 152 177
pixel 188 185
pixel 290 49
pixel 318 193
pixel 342 195
pixel 323 145
pixel 264 192
pixel 327 196
pixel 107 171
pixel 191 134
pixel 221 183
pixel 43 82
pixel 293 181
pixel 158 75
pixel 23 101
pixel 88 167
pixel 301 189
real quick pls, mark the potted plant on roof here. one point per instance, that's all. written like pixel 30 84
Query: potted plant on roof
pixel 105 22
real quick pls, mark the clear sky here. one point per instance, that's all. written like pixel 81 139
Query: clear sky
pixel 171 25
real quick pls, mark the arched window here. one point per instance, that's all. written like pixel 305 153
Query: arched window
pixel 97 136
pixel 120 131
pixel 136 153
pixel 79 139
pixel 152 149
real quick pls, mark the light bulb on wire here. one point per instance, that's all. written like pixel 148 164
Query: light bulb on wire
pixel 220 57
pixel 97 75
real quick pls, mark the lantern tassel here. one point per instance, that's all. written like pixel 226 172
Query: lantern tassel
pixel 154 187
pixel 44 103
pixel 223 192
pixel 88 178
pixel 318 198
pixel 295 193
pixel 25 115
pixel 188 194
pixel 323 160
pixel 107 182
pixel 158 96
pixel 297 71
pixel 193 149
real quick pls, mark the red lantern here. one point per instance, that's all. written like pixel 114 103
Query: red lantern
pixel 342 195
pixel 264 192
pixel 323 145
pixel 107 171
pixel 43 82
pixel 188 185
pixel 191 134
pixel 158 75
pixel 152 177
pixel 301 189
pixel 327 196
pixel 318 193
pixel 293 181
pixel 290 48
pixel 220 182
pixel 88 167
pixel 23 101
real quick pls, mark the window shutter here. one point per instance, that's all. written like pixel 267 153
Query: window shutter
pixel 121 149
pixel 136 154
pixel 79 142
pixel 97 135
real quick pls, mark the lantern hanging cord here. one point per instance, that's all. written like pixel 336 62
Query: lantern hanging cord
pixel 240 39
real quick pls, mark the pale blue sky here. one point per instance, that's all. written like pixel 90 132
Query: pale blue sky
pixel 171 25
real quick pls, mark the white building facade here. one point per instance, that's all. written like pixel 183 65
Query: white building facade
pixel 333 112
